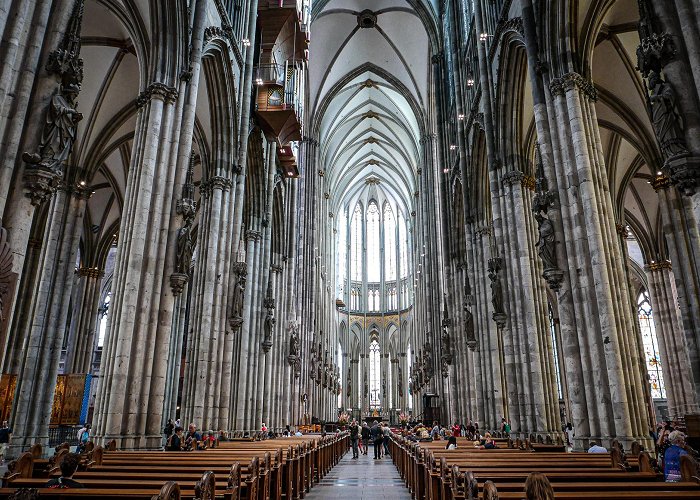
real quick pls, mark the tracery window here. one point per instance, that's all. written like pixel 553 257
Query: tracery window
pixel 373 239
pixel 339 364
pixel 403 246
pixel 409 359
pixel 390 243
pixel 356 231
pixel 103 313
pixel 341 270
pixel 374 374
pixel 555 349
pixel 651 346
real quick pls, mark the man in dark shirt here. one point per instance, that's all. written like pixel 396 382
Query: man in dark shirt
pixel 69 465
pixel 365 438
pixel 378 438
pixel 175 441
pixel 354 438
pixel 193 438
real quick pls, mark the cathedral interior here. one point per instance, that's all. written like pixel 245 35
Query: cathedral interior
pixel 246 213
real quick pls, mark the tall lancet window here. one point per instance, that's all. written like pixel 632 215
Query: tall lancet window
pixel 374 374
pixel 403 246
pixel 341 270
pixel 373 249
pixel 651 346
pixel 409 359
pixel 356 231
pixel 390 243
pixel 339 363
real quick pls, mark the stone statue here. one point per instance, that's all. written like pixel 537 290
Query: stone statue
pixel 293 338
pixel 366 384
pixel 384 388
pixel 349 382
pixel 665 118
pixel 546 245
pixel 183 256
pixel 269 327
pixel 469 328
pixel 400 381
pixel 59 132
pixel 238 296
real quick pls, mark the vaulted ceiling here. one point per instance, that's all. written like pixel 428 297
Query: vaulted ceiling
pixel 369 85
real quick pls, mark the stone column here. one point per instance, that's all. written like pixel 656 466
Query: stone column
pixel 602 296
pixel 205 344
pixel 138 340
pixel 675 363
pixel 81 350
pixel 46 326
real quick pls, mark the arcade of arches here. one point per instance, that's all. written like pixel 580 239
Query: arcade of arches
pixel 244 211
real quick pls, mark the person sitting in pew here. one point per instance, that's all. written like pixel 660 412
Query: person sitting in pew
pixel 538 487
pixel 193 440
pixel 593 447
pixel 451 443
pixel 672 457
pixel 68 466
pixel 175 440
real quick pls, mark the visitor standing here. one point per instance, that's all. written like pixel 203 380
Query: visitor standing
pixel 386 430
pixel 354 438
pixel 378 439
pixel 83 437
pixel 672 457
pixel 366 434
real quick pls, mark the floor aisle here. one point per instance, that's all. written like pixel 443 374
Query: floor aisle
pixel 361 479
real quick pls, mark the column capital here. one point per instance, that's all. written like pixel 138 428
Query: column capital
pixel 215 182
pixel 660 182
pixel 90 272
pixel 571 81
pixel 658 266
pixel 157 90
pixel 252 235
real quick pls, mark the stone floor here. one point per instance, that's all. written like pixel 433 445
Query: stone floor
pixel 361 479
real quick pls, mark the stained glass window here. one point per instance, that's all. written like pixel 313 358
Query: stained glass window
pixel 403 246
pixel 651 346
pixel 103 313
pixel 390 243
pixel 374 374
pixel 373 255
pixel 555 348
pixel 342 253
pixel 356 231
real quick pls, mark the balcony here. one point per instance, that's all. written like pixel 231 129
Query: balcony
pixel 279 110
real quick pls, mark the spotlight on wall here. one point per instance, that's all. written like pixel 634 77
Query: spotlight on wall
pixel 259 81
pixel 484 36
pixel 246 42
pixel 445 170
pixel 460 117
pixel 452 147
pixel 470 80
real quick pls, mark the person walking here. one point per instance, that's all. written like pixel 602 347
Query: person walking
pixel 378 439
pixel 366 433
pixel 354 438
pixel 5 436
pixel 386 431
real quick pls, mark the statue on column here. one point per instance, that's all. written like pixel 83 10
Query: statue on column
pixel 59 132
pixel 268 327
pixel 665 117
pixel 185 248
pixel 349 382
pixel 293 329
pixel 238 296
pixel 428 360
pixel 400 380
pixel 546 244
pixel 445 335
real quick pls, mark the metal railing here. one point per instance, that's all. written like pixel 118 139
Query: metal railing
pixel 63 434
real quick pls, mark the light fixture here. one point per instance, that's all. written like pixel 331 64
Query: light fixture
pixel 82 183
pixel 452 147
pixel 484 36
pixel 246 42
pixel 258 81
pixel 659 173
pixel 460 117
pixel 445 170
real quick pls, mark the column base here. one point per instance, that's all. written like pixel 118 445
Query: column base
pixel 132 442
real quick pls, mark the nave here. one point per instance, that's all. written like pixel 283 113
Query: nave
pixel 248 216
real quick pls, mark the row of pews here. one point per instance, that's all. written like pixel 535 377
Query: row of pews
pixel 433 473
pixel 284 468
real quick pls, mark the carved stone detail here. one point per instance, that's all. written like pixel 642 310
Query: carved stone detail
pixel 157 90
